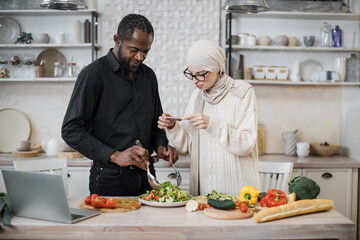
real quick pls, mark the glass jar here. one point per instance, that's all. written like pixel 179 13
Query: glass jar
pixel 326 39
pixel 58 70
pixel 71 70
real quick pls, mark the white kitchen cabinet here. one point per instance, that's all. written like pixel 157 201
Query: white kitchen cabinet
pixel 337 184
pixel 291 24
pixel 78 181
pixel 51 22
pixel 164 174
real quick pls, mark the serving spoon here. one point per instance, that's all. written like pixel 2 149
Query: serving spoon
pixel 152 180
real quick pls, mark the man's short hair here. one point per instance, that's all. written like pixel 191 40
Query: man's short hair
pixel 131 22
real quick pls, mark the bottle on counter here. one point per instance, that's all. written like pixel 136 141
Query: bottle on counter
pixel 326 39
pixel 71 70
pixel 87 31
pixel 337 36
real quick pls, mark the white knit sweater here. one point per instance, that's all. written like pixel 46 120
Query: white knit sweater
pixel 228 151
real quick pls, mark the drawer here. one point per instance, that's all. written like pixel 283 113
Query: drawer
pixel 168 174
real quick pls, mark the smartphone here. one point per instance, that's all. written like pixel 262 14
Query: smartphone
pixel 176 118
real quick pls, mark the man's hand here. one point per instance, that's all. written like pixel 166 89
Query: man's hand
pixel 169 155
pixel 134 155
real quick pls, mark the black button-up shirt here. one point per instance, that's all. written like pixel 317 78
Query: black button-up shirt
pixel 108 112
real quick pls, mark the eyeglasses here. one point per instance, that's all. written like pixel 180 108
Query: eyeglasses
pixel 199 77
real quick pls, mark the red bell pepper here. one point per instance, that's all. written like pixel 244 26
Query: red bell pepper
pixel 273 198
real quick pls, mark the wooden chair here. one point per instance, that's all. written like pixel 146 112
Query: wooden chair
pixel 275 175
pixel 52 166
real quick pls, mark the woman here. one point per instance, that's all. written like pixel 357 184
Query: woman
pixel 219 128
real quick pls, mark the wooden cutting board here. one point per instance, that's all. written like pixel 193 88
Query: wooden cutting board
pixel 121 205
pixel 227 214
pixel 25 154
pixel 70 155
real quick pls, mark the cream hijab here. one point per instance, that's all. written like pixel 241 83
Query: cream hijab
pixel 209 56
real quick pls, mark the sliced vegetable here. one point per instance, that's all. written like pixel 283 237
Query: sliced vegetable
pixel 166 194
pixel 249 194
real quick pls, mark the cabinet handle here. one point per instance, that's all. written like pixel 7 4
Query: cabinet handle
pixel 172 175
pixel 326 175
pixel 68 175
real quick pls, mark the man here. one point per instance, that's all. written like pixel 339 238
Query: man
pixel 115 102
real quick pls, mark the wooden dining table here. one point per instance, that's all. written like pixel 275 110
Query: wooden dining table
pixel 150 222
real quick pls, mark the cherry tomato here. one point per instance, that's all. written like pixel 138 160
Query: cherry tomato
pixel 201 206
pixel 110 203
pixel 207 205
pixel 87 200
pixel 93 196
pixel 243 207
pixel 98 203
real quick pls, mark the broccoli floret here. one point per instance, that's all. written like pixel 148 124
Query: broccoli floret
pixel 304 188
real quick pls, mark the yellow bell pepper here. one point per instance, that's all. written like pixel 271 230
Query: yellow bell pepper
pixel 249 194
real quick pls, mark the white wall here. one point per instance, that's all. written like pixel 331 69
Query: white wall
pixel 318 112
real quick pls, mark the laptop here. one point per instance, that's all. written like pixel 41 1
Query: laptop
pixel 42 196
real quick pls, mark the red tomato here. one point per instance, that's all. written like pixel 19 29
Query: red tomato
pixel 207 205
pixel 201 206
pixel 93 196
pixel 243 206
pixel 150 196
pixel 110 203
pixel 103 199
pixel 157 198
pixel 98 203
pixel 87 200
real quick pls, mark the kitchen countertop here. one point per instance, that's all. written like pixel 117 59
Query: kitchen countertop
pixel 336 161
pixel 175 223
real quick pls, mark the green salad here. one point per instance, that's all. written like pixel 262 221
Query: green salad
pixel 166 194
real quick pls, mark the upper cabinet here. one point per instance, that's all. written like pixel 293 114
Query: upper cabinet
pixel 298 57
pixel 63 43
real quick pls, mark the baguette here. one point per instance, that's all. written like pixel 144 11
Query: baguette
pixel 293 209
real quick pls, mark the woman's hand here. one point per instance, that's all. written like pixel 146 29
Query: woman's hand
pixel 198 120
pixel 164 123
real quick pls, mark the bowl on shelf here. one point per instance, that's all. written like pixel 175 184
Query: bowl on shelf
pixel 324 149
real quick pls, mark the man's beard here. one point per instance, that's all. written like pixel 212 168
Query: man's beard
pixel 124 63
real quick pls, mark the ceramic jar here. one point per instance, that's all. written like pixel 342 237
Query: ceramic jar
pixel 293 41
pixel 281 40
pixel 302 149
pixel 290 139
pixel 42 38
pixel 264 41
pixel 51 147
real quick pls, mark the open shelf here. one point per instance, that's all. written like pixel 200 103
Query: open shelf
pixel 294 48
pixel 302 15
pixel 44 79
pixel 48 45
pixel 44 12
pixel 302 83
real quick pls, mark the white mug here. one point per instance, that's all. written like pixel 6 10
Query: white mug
pixel 60 38
pixel 251 40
